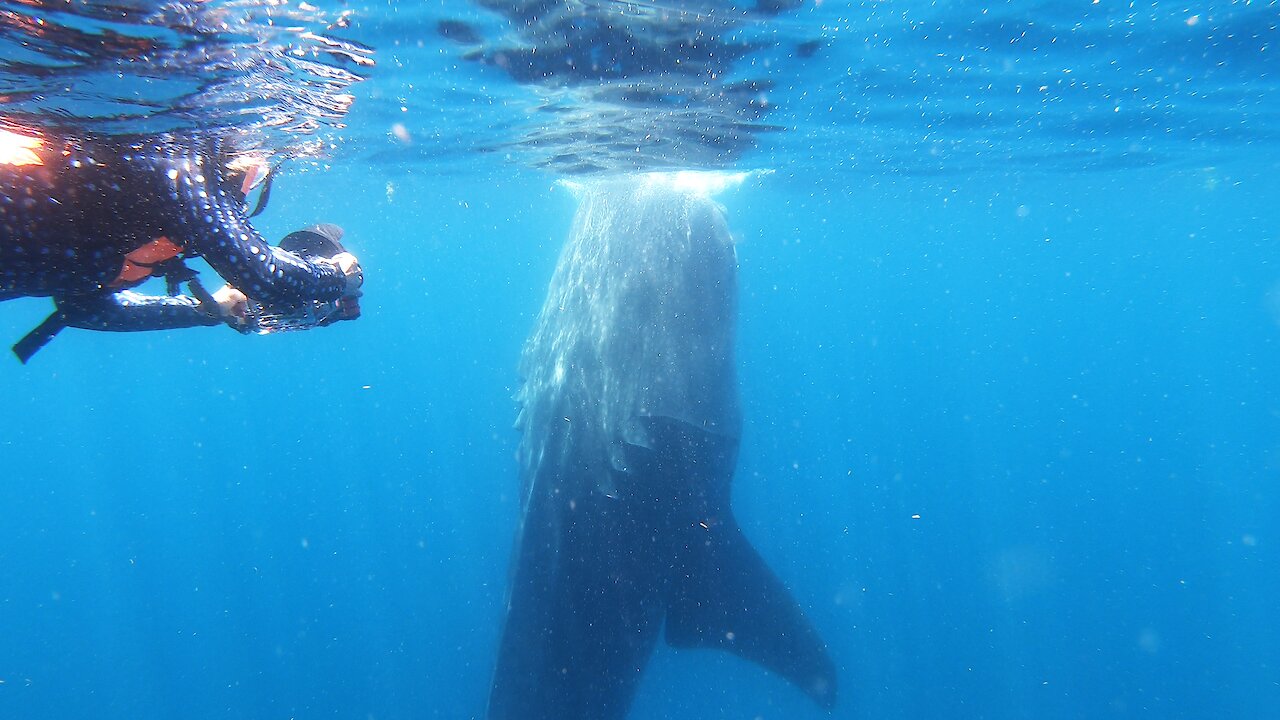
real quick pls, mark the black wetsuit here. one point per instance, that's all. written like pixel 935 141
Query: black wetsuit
pixel 67 225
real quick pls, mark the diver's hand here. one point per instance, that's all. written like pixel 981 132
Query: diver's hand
pixel 350 267
pixel 349 303
pixel 233 305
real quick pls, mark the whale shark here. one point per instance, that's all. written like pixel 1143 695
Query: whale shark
pixel 630 424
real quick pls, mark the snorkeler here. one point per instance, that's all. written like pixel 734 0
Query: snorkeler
pixel 84 221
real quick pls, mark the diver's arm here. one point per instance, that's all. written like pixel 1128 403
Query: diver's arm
pixel 128 311
pixel 214 225
pixel 263 272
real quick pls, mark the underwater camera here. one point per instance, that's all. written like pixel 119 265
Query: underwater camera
pixel 318 241
pixel 264 320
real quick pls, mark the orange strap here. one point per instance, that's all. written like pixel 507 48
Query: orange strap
pixel 140 264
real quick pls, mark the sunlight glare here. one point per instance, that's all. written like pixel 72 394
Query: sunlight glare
pixel 18 149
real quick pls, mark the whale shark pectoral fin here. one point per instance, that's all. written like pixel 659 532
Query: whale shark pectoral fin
pixel 680 450
pixel 728 599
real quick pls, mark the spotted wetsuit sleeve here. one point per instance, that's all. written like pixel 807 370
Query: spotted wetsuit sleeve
pixel 214 225
pixel 128 311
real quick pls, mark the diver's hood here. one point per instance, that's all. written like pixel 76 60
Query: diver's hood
pixel 323 240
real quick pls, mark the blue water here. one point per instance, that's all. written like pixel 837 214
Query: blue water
pixel 1012 438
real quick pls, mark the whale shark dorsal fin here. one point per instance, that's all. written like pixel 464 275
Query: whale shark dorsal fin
pixel 728 599
pixel 722 595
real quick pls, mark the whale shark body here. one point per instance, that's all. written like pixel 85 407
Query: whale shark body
pixel 630 424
